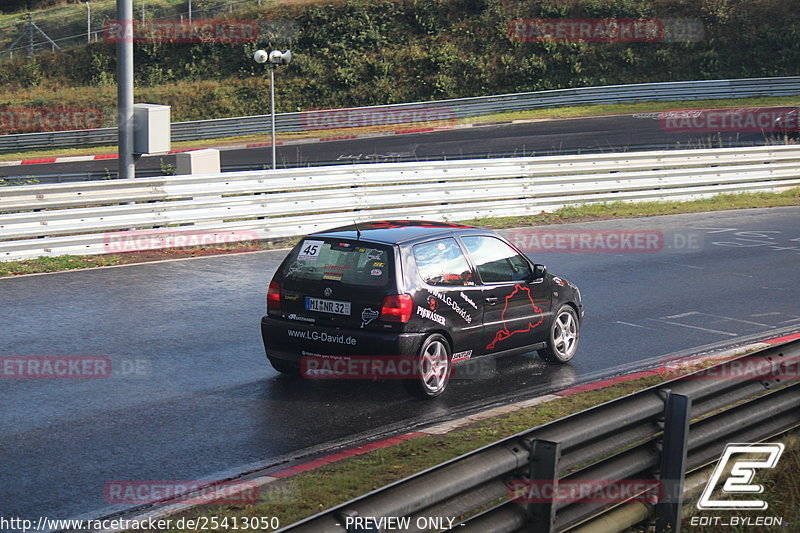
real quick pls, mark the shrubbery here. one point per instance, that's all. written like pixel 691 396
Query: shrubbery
pixel 365 53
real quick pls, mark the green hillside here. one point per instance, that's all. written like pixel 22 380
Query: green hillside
pixel 360 53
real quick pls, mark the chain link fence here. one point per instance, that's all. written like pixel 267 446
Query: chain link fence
pixel 73 25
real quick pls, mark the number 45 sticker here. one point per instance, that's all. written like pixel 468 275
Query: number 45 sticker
pixel 310 249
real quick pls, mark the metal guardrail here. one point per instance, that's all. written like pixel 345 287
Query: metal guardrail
pixel 32 178
pixel 95 217
pixel 644 436
pixel 35 178
pixel 449 109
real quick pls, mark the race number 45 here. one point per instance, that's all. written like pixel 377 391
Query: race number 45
pixel 310 249
pixel 740 479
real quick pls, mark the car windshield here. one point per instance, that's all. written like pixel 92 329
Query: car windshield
pixel 346 262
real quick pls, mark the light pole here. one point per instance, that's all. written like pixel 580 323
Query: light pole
pixel 275 58
pixel 127 163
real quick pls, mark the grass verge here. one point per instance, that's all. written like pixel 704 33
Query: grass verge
pixel 577 213
pixel 307 493
pixel 75 262
pixel 604 211
pixel 531 114
pixel 639 107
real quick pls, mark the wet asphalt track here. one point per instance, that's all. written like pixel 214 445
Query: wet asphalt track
pixel 196 398
pixel 549 137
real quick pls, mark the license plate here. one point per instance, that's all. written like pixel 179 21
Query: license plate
pixel 328 306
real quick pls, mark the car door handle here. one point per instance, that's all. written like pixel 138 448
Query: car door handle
pixel 491 300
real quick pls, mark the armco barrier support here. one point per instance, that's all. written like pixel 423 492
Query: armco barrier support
pixel 674 448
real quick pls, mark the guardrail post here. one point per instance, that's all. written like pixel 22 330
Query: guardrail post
pixel 543 478
pixel 677 408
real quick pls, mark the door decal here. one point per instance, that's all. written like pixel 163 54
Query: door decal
pixel 505 333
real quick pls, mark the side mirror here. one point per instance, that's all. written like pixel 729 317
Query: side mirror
pixel 538 272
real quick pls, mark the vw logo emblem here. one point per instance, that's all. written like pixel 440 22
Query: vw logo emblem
pixel 328 291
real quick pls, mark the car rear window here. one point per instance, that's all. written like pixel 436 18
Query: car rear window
pixel 342 261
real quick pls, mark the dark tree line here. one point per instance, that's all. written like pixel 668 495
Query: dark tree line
pixel 14 6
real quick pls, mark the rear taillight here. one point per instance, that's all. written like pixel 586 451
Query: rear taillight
pixel 396 308
pixel 274 298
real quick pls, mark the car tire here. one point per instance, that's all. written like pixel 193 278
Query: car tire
pixel 434 365
pixel 562 341
pixel 284 367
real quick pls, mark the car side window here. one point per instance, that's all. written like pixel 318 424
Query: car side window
pixel 495 260
pixel 442 263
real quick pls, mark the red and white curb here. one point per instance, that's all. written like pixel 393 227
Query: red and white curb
pixel 446 427
pixel 44 160
pixel 81 158
pixel 77 158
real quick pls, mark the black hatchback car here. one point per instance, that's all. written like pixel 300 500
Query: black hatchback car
pixel 434 292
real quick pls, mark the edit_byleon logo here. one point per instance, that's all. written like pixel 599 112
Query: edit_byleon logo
pixel 740 479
